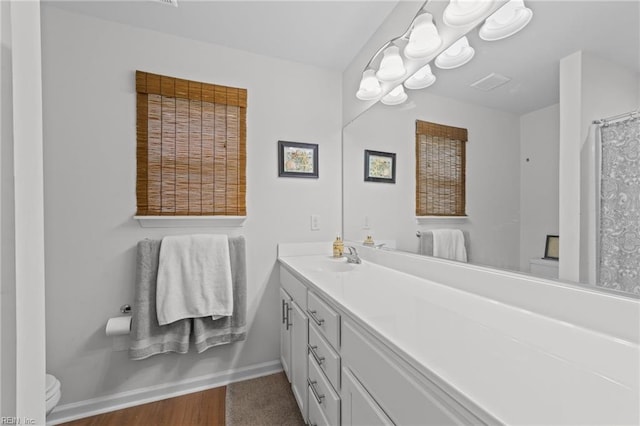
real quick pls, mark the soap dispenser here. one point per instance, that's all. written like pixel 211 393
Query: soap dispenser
pixel 338 247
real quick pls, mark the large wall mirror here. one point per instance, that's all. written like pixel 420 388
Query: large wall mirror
pixel 513 153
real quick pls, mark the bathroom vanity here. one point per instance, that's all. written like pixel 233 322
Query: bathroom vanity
pixel 403 339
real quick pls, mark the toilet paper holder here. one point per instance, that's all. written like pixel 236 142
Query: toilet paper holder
pixel 125 309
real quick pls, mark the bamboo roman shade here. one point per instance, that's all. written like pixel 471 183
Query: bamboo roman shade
pixel 191 149
pixel 440 169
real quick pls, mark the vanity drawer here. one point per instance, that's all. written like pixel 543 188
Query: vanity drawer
pixel 316 416
pixel 293 287
pixel 326 358
pixel 321 392
pixel 327 320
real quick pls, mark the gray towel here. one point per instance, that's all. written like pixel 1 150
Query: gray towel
pixel 149 338
pixel 426 242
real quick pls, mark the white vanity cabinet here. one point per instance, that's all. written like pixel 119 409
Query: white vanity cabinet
pixel 358 407
pixel 294 329
pixel 387 346
pixel 310 351
pixel 384 389
pixel 341 374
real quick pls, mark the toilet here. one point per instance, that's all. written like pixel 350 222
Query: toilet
pixel 52 393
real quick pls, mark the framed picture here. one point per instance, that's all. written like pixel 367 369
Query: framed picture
pixel 297 159
pixel 552 247
pixel 379 166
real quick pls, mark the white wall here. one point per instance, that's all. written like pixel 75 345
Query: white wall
pixel 492 180
pixel 29 210
pixel 7 262
pixel 22 331
pixel 90 140
pixel 591 88
pixel 539 144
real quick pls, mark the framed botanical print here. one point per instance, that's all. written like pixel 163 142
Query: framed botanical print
pixel 379 166
pixel 296 159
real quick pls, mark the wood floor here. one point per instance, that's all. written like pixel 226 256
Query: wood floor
pixel 204 408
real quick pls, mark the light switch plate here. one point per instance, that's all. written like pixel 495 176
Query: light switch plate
pixel 315 222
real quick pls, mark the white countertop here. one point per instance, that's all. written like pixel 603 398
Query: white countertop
pixel 518 366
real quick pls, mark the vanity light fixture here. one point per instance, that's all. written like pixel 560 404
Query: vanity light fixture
pixel 458 54
pixel 395 97
pixel 404 61
pixel 421 79
pixel 424 38
pixel 369 86
pixel 460 13
pixel 391 66
pixel 508 20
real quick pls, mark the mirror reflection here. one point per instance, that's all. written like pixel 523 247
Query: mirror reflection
pixel 532 165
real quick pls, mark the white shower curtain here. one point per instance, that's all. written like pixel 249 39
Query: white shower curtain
pixel 619 266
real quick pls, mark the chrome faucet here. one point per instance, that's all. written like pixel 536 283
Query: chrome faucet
pixel 352 256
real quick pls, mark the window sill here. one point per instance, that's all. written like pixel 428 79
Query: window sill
pixel 423 220
pixel 190 221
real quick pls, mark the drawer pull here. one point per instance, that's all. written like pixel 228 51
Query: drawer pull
pixel 312 351
pixel 315 319
pixel 312 386
pixel 286 318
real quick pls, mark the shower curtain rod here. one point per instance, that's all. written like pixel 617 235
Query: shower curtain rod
pixel 626 115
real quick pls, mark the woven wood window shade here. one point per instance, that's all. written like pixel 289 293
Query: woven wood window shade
pixel 191 149
pixel 440 169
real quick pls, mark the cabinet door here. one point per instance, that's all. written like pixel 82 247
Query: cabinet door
pixel 405 397
pixel 299 338
pixel 285 332
pixel 358 407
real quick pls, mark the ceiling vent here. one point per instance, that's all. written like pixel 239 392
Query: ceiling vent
pixel 490 82
pixel 173 3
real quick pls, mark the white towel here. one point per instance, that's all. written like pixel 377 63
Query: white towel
pixel 449 244
pixel 194 278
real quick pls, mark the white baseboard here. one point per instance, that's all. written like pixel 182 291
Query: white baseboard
pixel 91 407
